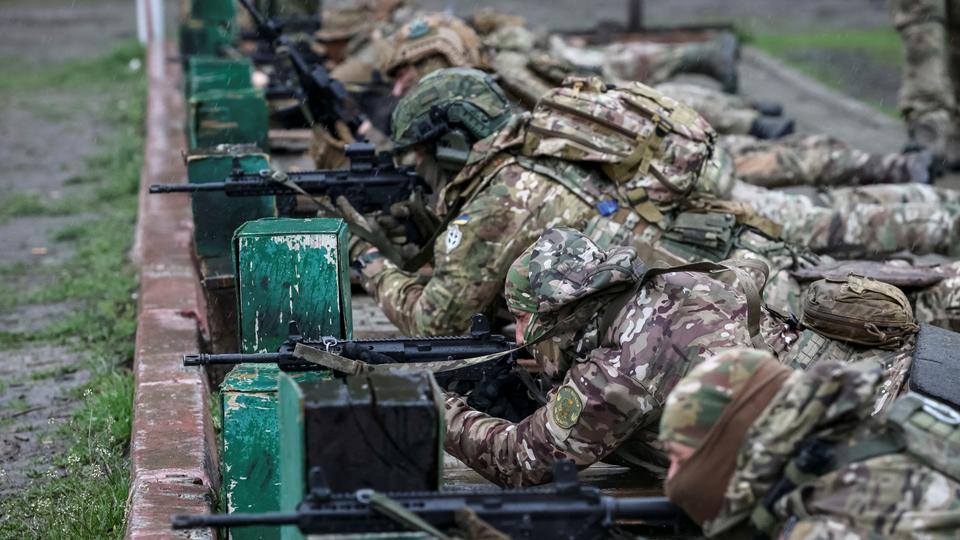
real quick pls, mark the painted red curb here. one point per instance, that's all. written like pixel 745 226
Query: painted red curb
pixel 173 452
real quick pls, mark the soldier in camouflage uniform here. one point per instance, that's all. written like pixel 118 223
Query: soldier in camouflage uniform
pixel 614 347
pixel 652 62
pixel 508 209
pixel 526 74
pixel 929 30
pixel 748 439
pixel 508 199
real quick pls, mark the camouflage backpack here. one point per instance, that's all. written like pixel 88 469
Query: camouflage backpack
pixel 858 310
pixel 650 145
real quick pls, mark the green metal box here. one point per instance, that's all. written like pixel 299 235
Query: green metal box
pixel 213 10
pixel 228 117
pixel 291 270
pixel 211 73
pixel 204 38
pixel 250 459
pixel 215 215
pixel 287 269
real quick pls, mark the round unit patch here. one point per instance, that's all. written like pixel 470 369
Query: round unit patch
pixel 567 407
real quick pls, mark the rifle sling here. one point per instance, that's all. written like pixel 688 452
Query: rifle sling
pixel 360 228
pixel 395 511
pixel 341 364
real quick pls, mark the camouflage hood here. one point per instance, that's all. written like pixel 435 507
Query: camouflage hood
pixel 829 402
pixel 565 267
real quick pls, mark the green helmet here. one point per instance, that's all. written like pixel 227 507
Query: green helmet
pixel 451 109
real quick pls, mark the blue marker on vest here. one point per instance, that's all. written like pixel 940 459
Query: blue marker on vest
pixel 607 208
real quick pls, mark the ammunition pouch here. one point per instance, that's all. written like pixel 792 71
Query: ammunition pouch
pixel 701 236
pixel 858 310
pixel 930 430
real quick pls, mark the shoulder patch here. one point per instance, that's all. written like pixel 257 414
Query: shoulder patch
pixel 462 219
pixel 567 407
pixel 454 236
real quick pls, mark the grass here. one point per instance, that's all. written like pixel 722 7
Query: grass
pixel 879 45
pixel 83 496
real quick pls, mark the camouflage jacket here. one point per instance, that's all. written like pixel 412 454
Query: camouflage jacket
pixel 628 357
pixel 507 206
pixel 889 496
pixel 509 200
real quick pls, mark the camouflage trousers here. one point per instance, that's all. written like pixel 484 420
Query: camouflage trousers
pixel 929 30
pixel 817 160
pixel 864 221
pixel 648 62
pixel 727 113
pixel 522 76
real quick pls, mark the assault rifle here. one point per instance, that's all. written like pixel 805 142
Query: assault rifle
pixel 565 509
pixel 491 386
pixel 324 99
pixel 372 183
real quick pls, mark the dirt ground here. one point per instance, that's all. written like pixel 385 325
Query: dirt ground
pixel 44 137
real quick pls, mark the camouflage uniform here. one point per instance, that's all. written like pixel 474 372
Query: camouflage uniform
pixel 863 221
pixel 527 72
pixel 627 349
pixel 651 62
pixel 819 160
pixel 512 206
pixel 931 71
pixel 892 494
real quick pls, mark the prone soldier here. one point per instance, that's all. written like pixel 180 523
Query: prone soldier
pixel 517 183
pixel 614 338
pixel 758 449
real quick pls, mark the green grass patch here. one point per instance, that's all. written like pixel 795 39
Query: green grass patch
pixel 83 496
pixel 881 45
pixel 85 76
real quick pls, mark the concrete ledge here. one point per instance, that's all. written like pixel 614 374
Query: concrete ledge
pixel 173 453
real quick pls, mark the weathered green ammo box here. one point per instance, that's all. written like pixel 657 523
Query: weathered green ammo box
pixel 286 269
pixel 215 218
pixel 227 117
pixel 213 10
pixel 215 215
pixel 211 73
pixel 198 37
pixel 291 270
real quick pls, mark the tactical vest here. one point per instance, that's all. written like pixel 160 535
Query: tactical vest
pixel 919 426
pixel 705 229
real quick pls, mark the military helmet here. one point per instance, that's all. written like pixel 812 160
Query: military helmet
pixel 453 102
pixel 434 35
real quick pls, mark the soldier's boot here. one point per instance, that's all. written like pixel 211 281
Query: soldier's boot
pixel 767 127
pixel 912 166
pixel 716 58
pixel 767 107
pixel 931 131
pixel 952 153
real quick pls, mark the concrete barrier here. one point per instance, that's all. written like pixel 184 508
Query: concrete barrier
pixel 173 451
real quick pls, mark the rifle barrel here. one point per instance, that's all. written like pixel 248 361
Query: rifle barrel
pixel 194 521
pixel 186 188
pixel 219 359
pixel 650 509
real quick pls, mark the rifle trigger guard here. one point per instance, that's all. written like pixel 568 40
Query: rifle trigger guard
pixel 364 496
